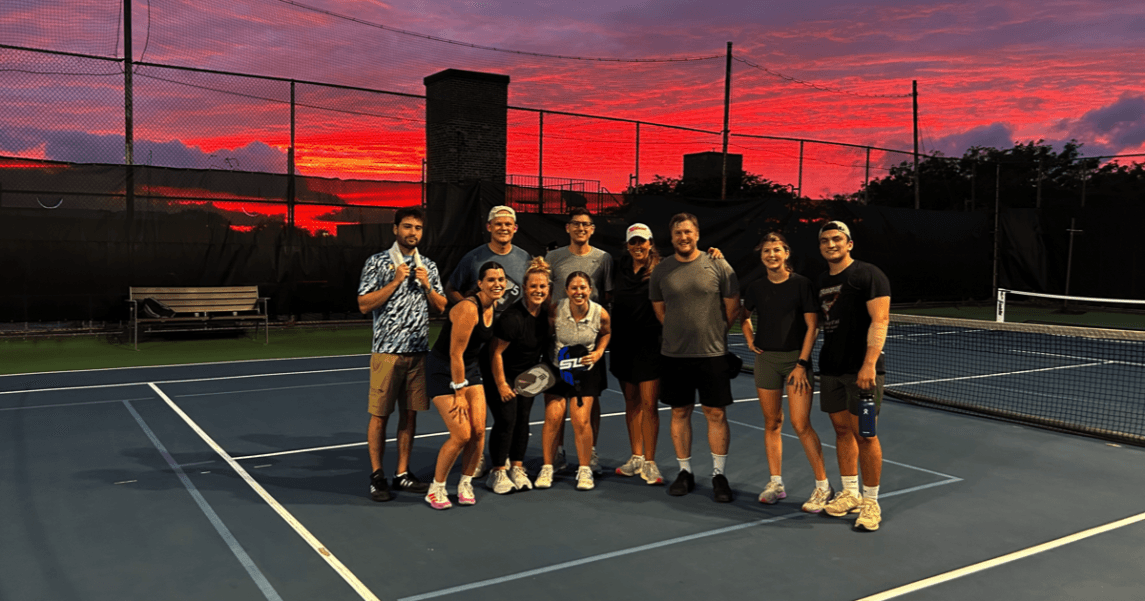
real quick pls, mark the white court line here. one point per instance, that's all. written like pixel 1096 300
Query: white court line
pixel 314 543
pixel 427 435
pixel 1004 559
pixel 622 552
pixel 256 574
pixel 182 396
pixel 72 404
pixel 913 467
pixel 1008 373
pixel 215 379
pixel 81 371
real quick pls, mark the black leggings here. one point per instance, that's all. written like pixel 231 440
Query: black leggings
pixel 510 435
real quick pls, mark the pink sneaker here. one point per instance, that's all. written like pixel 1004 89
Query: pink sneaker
pixel 437 498
pixel 465 494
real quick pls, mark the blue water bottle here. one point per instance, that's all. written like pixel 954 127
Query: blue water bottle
pixel 867 414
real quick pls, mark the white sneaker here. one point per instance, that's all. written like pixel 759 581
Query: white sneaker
pixel 594 463
pixel 465 494
pixel 651 473
pixel 520 478
pixel 545 478
pixel 584 478
pixel 631 467
pixel 499 482
pixel 772 493
pixel 480 471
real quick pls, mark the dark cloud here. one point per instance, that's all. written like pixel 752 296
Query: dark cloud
pixel 995 135
pixel 1110 129
pixel 80 147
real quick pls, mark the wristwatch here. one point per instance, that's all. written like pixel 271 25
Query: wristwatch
pixel 805 364
pixel 459 385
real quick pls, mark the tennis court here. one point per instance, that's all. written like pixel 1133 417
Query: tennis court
pixel 248 480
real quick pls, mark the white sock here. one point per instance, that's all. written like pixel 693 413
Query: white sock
pixel 851 483
pixel 685 464
pixel 437 485
pixel 466 479
pixel 638 458
pixel 871 492
pixel 777 479
pixel 718 464
pixel 822 485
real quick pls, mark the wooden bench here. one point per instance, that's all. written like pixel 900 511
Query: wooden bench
pixel 199 309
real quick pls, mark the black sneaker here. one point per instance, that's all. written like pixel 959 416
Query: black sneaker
pixel 379 488
pixel 409 483
pixel 684 484
pixel 721 490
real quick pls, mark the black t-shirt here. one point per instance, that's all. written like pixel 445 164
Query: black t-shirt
pixel 779 308
pixel 528 337
pixel 633 322
pixel 845 321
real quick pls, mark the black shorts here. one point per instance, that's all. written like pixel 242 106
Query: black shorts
pixel 841 393
pixel 637 363
pixel 682 377
pixel 593 382
pixel 438 376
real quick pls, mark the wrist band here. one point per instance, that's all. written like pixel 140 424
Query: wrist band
pixel 805 364
pixel 459 385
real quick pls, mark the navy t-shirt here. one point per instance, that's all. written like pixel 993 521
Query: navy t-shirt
pixel 779 308
pixel 845 320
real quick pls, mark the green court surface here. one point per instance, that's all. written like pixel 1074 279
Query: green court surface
pixel 32 355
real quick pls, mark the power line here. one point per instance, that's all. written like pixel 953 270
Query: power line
pixel 492 48
pixel 815 85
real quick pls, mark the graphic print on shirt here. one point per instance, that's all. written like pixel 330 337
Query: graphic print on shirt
pixel 827 299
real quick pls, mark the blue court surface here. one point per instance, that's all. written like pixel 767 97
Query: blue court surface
pixel 250 481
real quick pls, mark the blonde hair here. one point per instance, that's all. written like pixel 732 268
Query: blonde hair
pixel 538 265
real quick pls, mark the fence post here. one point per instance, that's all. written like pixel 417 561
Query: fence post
pixel 727 107
pixel 128 124
pixel 867 179
pixel 800 194
pixel 636 184
pixel 541 162
pixel 290 189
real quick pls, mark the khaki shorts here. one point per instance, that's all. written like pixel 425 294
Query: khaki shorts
pixel 397 380
pixel 841 393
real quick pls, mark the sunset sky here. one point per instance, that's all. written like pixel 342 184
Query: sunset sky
pixel 989 73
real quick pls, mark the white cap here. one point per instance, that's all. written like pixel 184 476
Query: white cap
pixel 500 210
pixel 836 225
pixel 637 230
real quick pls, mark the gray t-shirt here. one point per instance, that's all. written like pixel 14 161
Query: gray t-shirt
pixel 515 262
pixel 695 322
pixel 597 264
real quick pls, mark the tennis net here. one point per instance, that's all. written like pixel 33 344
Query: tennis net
pixel 1082 380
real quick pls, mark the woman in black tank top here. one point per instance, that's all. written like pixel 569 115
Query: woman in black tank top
pixel 461 401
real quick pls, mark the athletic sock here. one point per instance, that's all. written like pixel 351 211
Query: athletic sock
pixel 685 464
pixel 777 479
pixel 466 479
pixel 640 457
pixel 437 485
pixel 401 474
pixel 871 492
pixel 718 464
pixel 851 483
pixel 823 485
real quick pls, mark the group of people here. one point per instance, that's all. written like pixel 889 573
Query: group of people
pixel 665 322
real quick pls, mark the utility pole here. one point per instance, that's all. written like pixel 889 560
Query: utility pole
pixel 727 107
pixel 917 192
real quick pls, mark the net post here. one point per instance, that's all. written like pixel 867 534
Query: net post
pixel 1000 314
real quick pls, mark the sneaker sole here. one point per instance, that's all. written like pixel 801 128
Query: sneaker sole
pixel 859 528
pixel 467 501
pixel 781 495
